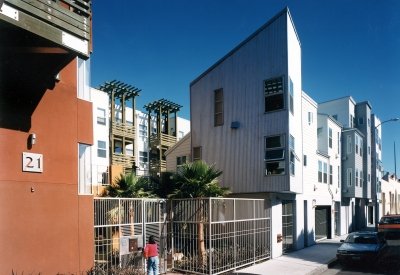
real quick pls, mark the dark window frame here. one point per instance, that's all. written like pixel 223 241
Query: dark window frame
pixel 218 107
pixel 274 99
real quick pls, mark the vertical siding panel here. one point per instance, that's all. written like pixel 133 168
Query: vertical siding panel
pixel 240 152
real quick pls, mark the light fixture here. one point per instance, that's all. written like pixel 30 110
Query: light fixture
pixel 32 139
pixel 314 203
pixel 315 187
pixel 235 125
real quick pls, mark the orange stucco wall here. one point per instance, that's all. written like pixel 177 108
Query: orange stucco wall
pixel 49 230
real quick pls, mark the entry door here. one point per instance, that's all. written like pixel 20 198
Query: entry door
pixel 370 215
pixel 337 225
pixel 287 226
pixel 322 223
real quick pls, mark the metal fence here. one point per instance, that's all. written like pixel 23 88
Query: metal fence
pixel 215 235
pixel 121 228
pixel 204 236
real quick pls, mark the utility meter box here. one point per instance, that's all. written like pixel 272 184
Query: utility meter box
pixel 131 244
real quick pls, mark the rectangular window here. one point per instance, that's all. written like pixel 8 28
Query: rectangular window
pixel 101 116
pixel 180 161
pixel 349 177
pixel 377 136
pixel 196 153
pixel 361 178
pixel 275 155
pixel 291 145
pixel 305 160
pixel 369 177
pixel 291 96
pixel 101 149
pixel 218 108
pixel 325 172
pixel 84 170
pixel 338 176
pixel 273 94
pixel 330 174
pixel 369 150
pixel 369 123
pixel 310 117
pixel 142 130
pixel 351 121
pixel 349 144
pixel 360 121
pixel 83 79
pixel 356 176
pixel 319 132
pixel 320 171
pixel 356 143
pixel 143 159
pixel 338 143
pixel 360 141
pixel 330 138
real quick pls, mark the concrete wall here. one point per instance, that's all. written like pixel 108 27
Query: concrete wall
pixel 45 225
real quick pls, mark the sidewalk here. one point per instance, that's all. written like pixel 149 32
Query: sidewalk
pixel 311 260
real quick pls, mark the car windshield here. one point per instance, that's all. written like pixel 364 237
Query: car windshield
pixel 389 220
pixel 362 239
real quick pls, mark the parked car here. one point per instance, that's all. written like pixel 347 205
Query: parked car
pixel 362 247
pixel 389 226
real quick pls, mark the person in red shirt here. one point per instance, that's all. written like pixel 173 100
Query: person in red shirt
pixel 151 254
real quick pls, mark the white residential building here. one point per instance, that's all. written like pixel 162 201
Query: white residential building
pixel 139 148
pixel 310 162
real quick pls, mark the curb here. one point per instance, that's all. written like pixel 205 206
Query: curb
pixel 324 267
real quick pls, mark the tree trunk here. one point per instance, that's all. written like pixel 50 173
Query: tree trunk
pixel 132 217
pixel 200 237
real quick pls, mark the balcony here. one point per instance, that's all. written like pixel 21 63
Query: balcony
pixel 158 166
pixel 57 25
pixel 125 161
pixel 123 130
pixel 162 140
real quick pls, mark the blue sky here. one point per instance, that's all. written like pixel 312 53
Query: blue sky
pixel 348 48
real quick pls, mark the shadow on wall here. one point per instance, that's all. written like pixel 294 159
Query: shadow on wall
pixel 305 239
pixel 26 72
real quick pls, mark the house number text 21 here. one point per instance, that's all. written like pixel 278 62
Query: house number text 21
pixel 32 162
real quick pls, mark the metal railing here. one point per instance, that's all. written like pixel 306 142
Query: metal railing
pixel 205 236
pixel 121 228
pixel 216 235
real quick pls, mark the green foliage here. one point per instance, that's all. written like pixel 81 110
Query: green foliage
pixel 129 186
pixel 163 186
pixel 197 180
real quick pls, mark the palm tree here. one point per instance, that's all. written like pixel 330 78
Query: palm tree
pixel 126 186
pixel 198 180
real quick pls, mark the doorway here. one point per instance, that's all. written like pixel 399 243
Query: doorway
pixel 287 226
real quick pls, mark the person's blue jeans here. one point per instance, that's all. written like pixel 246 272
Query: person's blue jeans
pixel 152 264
